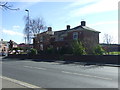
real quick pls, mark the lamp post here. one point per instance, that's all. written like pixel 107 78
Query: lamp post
pixel 28 37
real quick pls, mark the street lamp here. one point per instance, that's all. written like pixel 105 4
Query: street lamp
pixel 28 38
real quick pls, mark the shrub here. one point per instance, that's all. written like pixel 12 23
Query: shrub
pixel 32 51
pixel 98 50
pixel 65 50
pixel 78 48
pixel 50 50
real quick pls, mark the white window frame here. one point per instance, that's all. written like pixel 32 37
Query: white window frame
pixel 41 46
pixel 75 35
pixel 41 39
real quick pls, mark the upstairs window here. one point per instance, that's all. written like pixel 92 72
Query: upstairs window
pixel 75 36
pixel 41 39
pixel 61 38
pixel 41 47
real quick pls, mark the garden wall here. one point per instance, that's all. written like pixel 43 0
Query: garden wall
pixel 109 59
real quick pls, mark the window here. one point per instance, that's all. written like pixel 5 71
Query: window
pixel 41 46
pixel 75 35
pixel 41 39
pixel 61 39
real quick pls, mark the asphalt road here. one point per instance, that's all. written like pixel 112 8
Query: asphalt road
pixel 60 75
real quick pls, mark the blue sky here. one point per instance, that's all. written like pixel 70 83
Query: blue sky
pixel 101 15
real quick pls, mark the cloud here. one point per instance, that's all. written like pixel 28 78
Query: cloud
pixel 80 3
pixel 16 27
pixel 98 7
pixel 104 23
pixel 12 33
pixel 39 0
pixel 20 0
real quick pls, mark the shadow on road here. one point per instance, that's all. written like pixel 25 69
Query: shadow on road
pixel 60 62
pixel 63 62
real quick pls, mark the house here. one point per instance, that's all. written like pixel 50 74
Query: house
pixel 23 45
pixel 3 47
pixel 88 36
pixel 64 38
pixel 43 40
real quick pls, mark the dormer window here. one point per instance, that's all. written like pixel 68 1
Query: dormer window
pixel 75 36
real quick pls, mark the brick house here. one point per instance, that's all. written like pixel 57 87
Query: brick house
pixel 43 40
pixel 64 38
pixel 3 47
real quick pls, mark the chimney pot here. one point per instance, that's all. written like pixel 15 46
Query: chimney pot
pixel 49 28
pixel 1 39
pixel 68 27
pixel 83 23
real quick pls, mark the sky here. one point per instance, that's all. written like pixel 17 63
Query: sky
pixel 101 15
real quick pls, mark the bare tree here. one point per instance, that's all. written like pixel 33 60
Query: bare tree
pixel 33 27
pixel 108 39
pixel 7 6
pixel 37 25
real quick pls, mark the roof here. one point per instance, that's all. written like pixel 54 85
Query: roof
pixel 4 42
pixel 46 32
pixel 85 28
pixel 79 28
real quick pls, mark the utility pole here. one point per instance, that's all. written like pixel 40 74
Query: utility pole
pixel 28 36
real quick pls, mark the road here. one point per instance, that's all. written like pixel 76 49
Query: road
pixel 60 75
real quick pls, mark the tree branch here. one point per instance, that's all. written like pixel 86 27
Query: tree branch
pixel 6 6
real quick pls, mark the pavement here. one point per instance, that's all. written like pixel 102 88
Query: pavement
pixel 11 84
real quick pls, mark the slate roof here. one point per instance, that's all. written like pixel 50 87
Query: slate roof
pixel 85 28
pixel 79 28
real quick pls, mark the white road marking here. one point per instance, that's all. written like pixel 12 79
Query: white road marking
pixel 87 75
pixel 35 67
pixel 51 63
pixel 20 82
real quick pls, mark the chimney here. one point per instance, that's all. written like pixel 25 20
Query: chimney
pixel 1 39
pixel 83 23
pixel 68 27
pixel 49 28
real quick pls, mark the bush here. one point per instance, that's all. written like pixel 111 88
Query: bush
pixel 50 50
pixel 65 50
pixel 98 50
pixel 78 48
pixel 32 51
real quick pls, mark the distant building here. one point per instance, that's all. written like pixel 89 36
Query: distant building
pixel 111 47
pixel 64 38
pixel 4 47
pixel 25 46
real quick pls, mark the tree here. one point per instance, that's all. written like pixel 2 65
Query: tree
pixel 78 48
pixel 108 39
pixel 34 26
pixel 7 6
pixel 10 44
